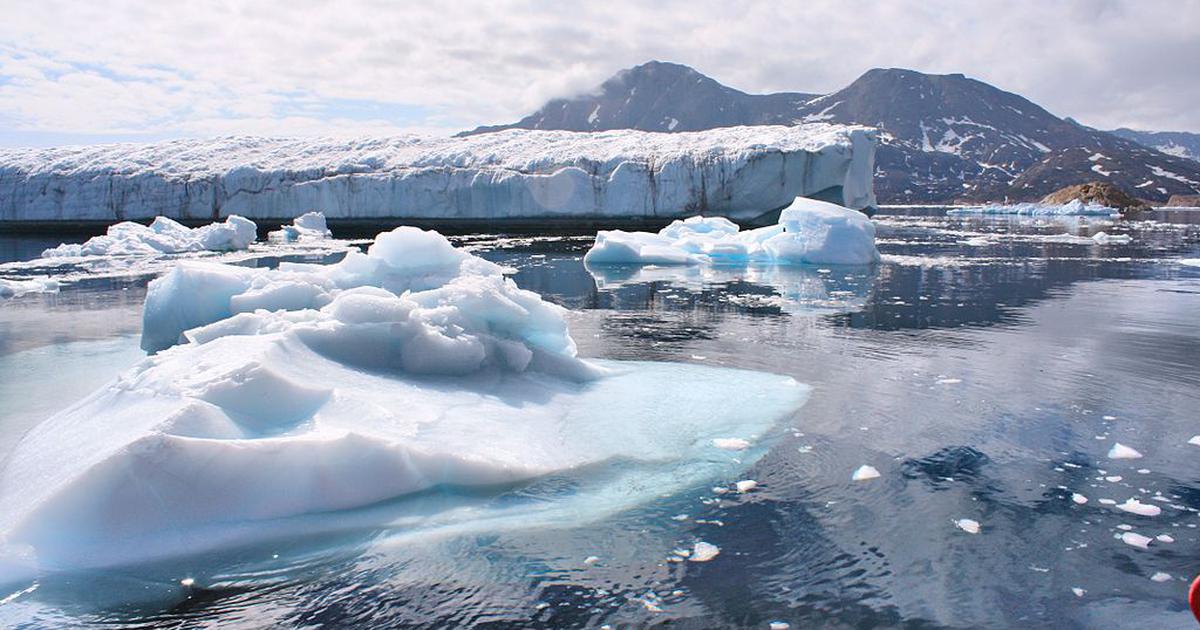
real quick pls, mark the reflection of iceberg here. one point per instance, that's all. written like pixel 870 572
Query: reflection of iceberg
pixel 1074 207
pixel 409 370
pixel 808 232
pixel 790 288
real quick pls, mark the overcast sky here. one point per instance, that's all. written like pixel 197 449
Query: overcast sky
pixel 74 71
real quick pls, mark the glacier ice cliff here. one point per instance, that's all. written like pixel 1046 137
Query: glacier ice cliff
pixel 738 172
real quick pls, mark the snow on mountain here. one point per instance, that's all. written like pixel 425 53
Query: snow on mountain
pixel 1178 143
pixel 740 172
pixel 943 138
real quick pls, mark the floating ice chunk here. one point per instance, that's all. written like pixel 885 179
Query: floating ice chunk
pixel 779 625
pixel 1113 478
pixel 1159 576
pixel 1166 538
pixel 1120 451
pixel 1078 498
pixel 1133 506
pixel 746 485
pixel 590 560
pixel 1194 441
pixel 731 444
pixel 967 525
pixel 1107 502
pixel 1079 592
pixel 17 288
pixel 864 473
pixel 1105 238
pixel 949 381
pixel 424 367
pixel 162 236
pixel 309 226
pixel 1136 540
pixel 703 552
pixel 808 232
pixel 1074 207
pixel 1190 262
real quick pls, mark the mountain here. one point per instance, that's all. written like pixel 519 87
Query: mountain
pixel 660 96
pixel 1177 143
pixel 944 138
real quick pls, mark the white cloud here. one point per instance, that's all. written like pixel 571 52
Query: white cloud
pixel 200 68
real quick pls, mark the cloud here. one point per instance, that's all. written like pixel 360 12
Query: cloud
pixel 304 67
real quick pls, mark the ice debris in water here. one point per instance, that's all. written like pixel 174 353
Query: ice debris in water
pixel 808 232
pixel 703 552
pixel 967 525
pixel 309 226
pixel 1164 538
pixel 17 288
pixel 1136 540
pixel 1074 207
pixel 1133 506
pixel 779 625
pixel 1105 238
pixel 746 485
pixel 1195 440
pixel 280 399
pixel 1078 498
pixel 731 444
pixel 1079 592
pixel 864 472
pixel 162 236
pixel 1120 451
pixel 1159 576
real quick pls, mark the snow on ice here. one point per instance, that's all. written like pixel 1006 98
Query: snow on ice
pixel 808 232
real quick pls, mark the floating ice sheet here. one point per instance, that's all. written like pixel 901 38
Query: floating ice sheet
pixel 1074 207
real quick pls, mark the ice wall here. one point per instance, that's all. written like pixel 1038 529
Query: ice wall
pixel 738 172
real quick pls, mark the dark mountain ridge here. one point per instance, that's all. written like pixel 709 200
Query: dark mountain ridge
pixel 943 138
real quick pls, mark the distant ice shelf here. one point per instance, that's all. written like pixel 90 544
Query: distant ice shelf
pixel 737 172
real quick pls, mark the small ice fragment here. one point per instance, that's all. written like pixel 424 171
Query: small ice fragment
pixel 1164 538
pixel 683 553
pixel 1160 577
pixel 731 444
pixel 949 381
pixel 1133 506
pixel 779 625
pixel 1125 527
pixel 1143 471
pixel 187 581
pixel 746 485
pixel 1195 441
pixel 1107 502
pixel 864 473
pixel 679 517
pixel 719 490
pixel 1078 591
pixel 967 525
pixel 698 357
pixel 590 560
pixel 1120 451
pixel 1078 498
pixel 1110 417
pixel 1136 540
pixel 703 552
pixel 1113 478
pixel 805 449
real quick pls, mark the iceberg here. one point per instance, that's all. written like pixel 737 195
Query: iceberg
pixel 309 226
pixel 310 399
pixel 162 236
pixel 739 172
pixel 808 232
pixel 10 288
pixel 1072 208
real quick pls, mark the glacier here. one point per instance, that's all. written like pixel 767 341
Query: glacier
pixel 406 389
pixel 742 173
pixel 808 232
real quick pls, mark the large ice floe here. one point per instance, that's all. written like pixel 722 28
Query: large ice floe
pixel 1071 208
pixel 808 232
pixel 162 236
pixel 405 389
pixel 740 172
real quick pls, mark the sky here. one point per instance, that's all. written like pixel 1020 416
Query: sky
pixel 76 72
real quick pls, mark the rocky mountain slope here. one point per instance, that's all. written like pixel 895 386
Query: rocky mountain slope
pixel 944 138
